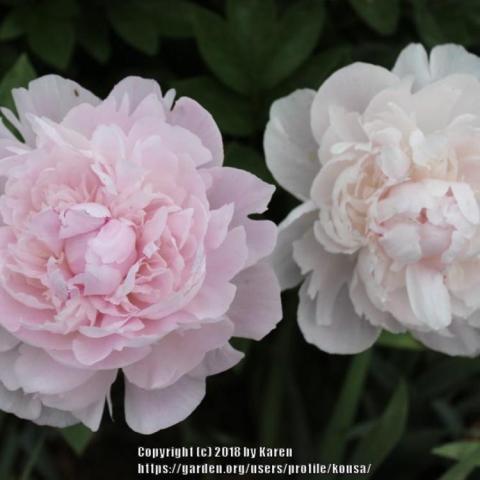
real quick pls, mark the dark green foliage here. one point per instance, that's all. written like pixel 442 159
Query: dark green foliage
pixel 412 413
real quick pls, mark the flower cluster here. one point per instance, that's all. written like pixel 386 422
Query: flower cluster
pixel 387 165
pixel 125 245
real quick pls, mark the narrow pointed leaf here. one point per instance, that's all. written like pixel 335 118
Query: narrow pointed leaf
pixel 385 434
pixel 335 436
pixel 220 51
pixel 380 15
pixel 18 76
pixel 78 437
pixel 399 340
pixel 465 466
pixel 458 450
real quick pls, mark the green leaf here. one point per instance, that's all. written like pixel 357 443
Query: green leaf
pixel 445 375
pixel 52 39
pixel 450 418
pixel 9 451
pixel 246 158
pixel 298 35
pixel 299 422
pixel 78 437
pixel 316 70
pixel 447 21
pixel 135 26
pixel 13 25
pixel 380 15
pixel 398 340
pixel 171 18
pixel 274 393
pixel 58 8
pixel 232 112
pixel 253 24
pixel 458 450
pixel 467 454
pixel 242 344
pixel 252 50
pixel 385 433
pixel 427 25
pixel 251 20
pixel 33 457
pixel 92 35
pixel 219 49
pixel 18 76
pixel 335 436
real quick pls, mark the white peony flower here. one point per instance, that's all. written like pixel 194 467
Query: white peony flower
pixel 387 165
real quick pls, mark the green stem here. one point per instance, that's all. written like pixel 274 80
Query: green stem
pixel 332 446
pixel 32 460
pixel 275 389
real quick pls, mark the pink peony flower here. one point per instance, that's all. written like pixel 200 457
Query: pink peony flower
pixel 127 246
pixel 387 165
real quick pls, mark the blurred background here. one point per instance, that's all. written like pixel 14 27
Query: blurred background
pixel 412 413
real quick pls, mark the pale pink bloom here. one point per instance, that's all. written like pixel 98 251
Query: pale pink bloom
pixel 126 246
pixel 387 165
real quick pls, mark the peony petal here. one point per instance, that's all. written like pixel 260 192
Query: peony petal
pixel 432 116
pixel 8 376
pixel 257 307
pixel 350 87
pixel 116 359
pixel 37 372
pixel 466 201
pixel 363 306
pixel 91 416
pixel 46 226
pixel 402 243
pixel 325 183
pixel 89 351
pixel 20 404
pixel 135 89
pixel 346 125
pixel 229 258
pixel 191 115
pixel 458 339
pixel 290 149
pixel 154 227
pixel 7 341
pixel 298 221
pixel 261 239
pixel 50 96
pixel 82 218
pixel 94 390
pixel 212 301
pixel 445 60
pixel 15 313
pixel 428 296
pixel 55 418
pixel 98 280
pixel 168 362
pixel 347 334
pixel 218 224
pixel 109 142
pixel 250 195
pixel 451 59
pixel 245 190
pixel 329 274
pixel 413 61
pixel 147 411
pixel 217 361
pixel 114 242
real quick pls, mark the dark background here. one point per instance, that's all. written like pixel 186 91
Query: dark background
pixel 390 406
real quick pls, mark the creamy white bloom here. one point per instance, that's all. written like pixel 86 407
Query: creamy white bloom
pixel 387 165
